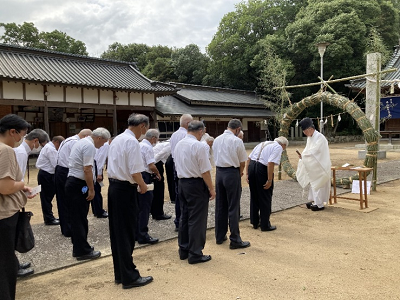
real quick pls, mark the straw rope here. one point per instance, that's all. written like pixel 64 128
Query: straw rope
pixel 370 135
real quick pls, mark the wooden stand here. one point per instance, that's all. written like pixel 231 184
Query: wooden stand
pixel 362 177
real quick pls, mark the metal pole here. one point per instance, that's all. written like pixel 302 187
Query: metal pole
pixel 322 104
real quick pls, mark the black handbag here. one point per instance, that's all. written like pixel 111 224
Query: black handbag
pixel 24 239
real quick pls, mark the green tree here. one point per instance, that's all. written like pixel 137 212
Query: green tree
pixel 61 42
pixel 130 53
pixel 234 45
pixel 27 35
pixel 159 65
pixel 190 65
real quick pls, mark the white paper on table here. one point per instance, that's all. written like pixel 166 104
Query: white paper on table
pixel 35 190
pixel 355 187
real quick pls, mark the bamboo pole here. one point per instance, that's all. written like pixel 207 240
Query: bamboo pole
pixel 336 80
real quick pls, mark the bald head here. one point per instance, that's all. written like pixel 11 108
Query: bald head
pixel 185 120
pixel 84 133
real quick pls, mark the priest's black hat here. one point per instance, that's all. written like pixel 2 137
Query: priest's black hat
pixel 306 123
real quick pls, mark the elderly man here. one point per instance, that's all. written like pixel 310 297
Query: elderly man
pixel 260 176
pixel 161 153
pixel 145 200
pixel 195 190
pixel 61 174
pixel 125 167
pixel 34 141
pixel 230 159
pixel 79 190
pixel 314 166
pixel 46 163
pixel 175 138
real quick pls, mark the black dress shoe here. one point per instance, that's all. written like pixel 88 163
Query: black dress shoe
pixel 242 244
pixel 309 204
pixel 53 222
pixel 24 265
pixel 223 240
pixel 117 281
pixel 149 240
pixel 316 208
pixel 270 228
pixel 198 260
pixel 91 255
pixel 163 217
pixel 103 215
pixel 141 281
pixel 183 254
pixel 25 272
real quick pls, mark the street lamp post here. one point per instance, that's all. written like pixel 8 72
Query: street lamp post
pixel 321 49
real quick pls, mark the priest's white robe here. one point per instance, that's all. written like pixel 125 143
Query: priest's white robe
pixel 314 168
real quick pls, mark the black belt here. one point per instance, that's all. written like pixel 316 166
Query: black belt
pixel 123 182
pixel 192 178
pixel 227 168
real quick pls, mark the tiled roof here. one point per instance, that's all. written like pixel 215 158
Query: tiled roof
pixel 36 65
pixel 394 62
pixel 195 94
pixel 171 106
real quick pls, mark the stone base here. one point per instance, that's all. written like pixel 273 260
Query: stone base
pixel 362 154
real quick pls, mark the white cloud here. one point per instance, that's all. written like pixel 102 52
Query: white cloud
pixel 99 23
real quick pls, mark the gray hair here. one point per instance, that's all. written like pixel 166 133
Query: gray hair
pixel 209 139
pixel 195 126
pixel 137 119
pixel 101 132
pixel 39 134
pixel 185 119
pixel 152 132
pixel 234 124
pixel 282 140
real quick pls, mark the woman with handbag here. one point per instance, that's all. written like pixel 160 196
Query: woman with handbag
pixel 12 200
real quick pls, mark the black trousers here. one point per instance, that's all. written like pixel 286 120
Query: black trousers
pixel 157 206
pixel 78 207
pixel 169 171
pixel 227 203
pixel 60 177
pixel 194 199
pixel 8 260
pixel 122 212
pixel 260 199
pixel 144 206
pixel 177 201
pixel 97 202
pixel 46 180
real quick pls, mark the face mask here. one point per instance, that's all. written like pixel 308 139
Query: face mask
pixel 17 144
pixel 141 137
pixel 37 149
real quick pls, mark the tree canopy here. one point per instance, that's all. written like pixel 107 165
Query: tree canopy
pixel 27 35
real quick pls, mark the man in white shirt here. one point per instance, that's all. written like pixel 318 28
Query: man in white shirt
pixel 175 138
pixel 161 153
pixel 46 163
pixel 195 190
pixel 79 190
pixel 61 174
pixel 314 166
pixel 125 167
pixel 230 159
pixel 145 200
pixel 99 160
pixel 260 177
pixel 34 141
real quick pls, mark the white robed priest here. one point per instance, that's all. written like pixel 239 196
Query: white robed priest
pixel 314 166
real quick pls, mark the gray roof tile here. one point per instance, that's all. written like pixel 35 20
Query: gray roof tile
pixel 60 68
pixel 171 106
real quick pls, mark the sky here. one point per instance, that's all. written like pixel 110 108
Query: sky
pixel 99 23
